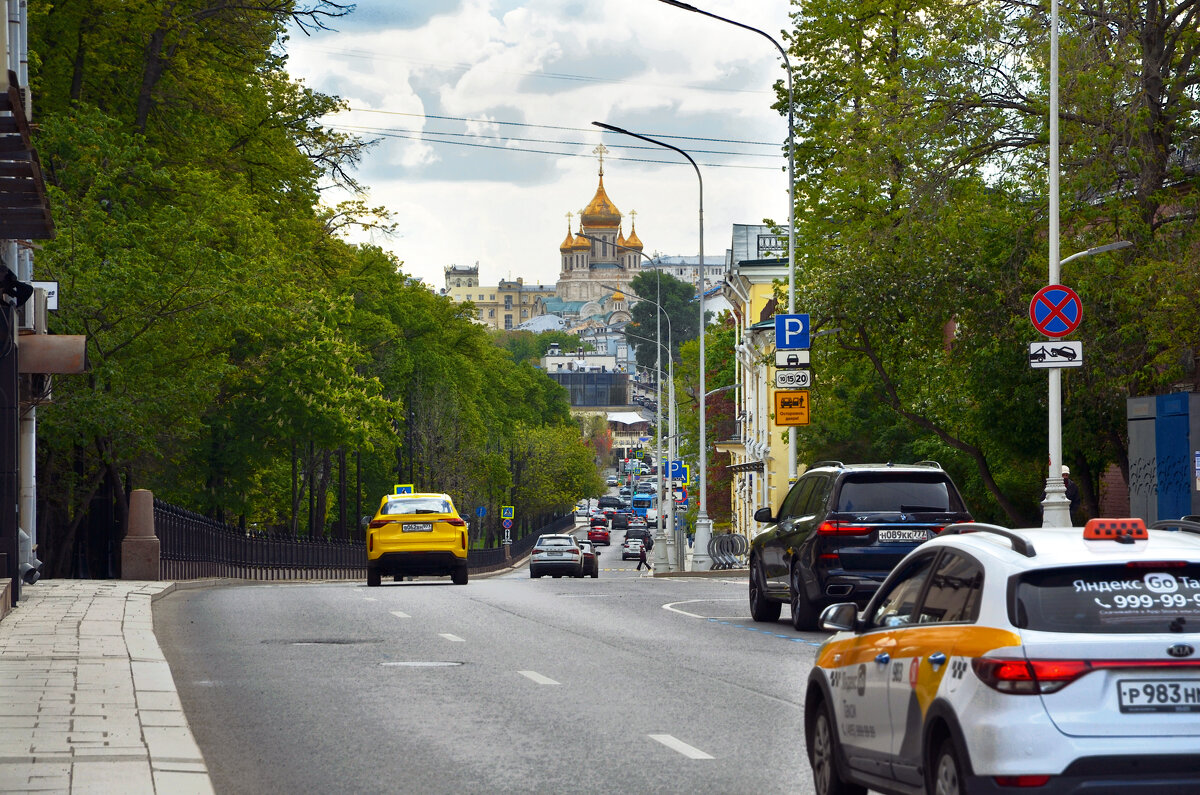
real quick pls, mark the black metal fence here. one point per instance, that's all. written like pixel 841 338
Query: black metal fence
pixel 193 546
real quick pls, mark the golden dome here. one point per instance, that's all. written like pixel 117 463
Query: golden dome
pixel 568 242
pixel 620 239
pixel 581 242
pixel 632 241
pixel 601 213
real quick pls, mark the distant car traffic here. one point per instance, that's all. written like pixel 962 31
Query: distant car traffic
pixel 591 560
pixel 839 532
pixel 556 555
pixel 1042 660
pixel 416 535
pixel 612 480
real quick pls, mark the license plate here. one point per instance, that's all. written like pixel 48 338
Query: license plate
pixel 554 554
pixel 418 527
pixel 1159 695
pixel 902 534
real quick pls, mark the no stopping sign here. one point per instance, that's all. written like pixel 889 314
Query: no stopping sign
pixel 1056 310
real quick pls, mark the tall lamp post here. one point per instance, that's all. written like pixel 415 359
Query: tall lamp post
pixel 700 559
pixel 791 184
pixel 661 558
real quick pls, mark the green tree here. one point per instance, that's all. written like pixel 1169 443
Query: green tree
pixel 677 299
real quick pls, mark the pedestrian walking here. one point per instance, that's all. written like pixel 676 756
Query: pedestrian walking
pixel 642 559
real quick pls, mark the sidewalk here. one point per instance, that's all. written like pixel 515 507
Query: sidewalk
pixel 87 702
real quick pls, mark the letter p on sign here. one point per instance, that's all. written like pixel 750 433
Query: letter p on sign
pixel 791 331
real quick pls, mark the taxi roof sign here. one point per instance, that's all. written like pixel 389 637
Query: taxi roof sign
pixel 1123 531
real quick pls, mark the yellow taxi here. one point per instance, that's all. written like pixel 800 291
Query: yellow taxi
pixel 416 535
pixel 1041 660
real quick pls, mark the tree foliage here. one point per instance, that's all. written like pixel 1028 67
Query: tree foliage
pixel 244 358
pixel 922 217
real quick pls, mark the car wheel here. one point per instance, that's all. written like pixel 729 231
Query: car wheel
pixel 762 609
pixel 823 756
pixel 460 575
pixel 374 578
pixel 804 615
pixel 947 771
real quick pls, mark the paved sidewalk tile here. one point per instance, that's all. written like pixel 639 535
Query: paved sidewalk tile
pixel 87 700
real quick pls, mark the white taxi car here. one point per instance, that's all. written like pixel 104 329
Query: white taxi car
pixel 1047 660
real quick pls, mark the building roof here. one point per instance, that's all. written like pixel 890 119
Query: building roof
pixel 601 212
pixel 626 417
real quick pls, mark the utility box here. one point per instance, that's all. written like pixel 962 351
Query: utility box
pixel 1164 455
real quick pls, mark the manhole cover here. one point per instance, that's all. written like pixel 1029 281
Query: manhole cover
pixel 422 664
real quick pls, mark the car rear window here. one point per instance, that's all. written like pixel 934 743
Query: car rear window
pixel 1110 598
pixel 407 505
pixel 561 541
pixel 892 493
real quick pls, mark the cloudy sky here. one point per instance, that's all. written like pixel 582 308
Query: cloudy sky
pixel 483 112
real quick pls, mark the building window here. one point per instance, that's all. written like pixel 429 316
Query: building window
pixel 490 298
pixel 508 324
pixel 491 313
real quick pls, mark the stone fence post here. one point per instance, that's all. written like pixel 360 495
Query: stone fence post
pixel 140 547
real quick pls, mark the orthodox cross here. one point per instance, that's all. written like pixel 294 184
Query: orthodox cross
pixel 600 151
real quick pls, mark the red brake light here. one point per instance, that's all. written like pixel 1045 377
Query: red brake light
pixel 378 523
pixel 1155 564
pixel 454 520
pixel 1023 677
pixel 842 529
pixel 1022 781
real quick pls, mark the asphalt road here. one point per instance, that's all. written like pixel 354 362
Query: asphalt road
pixel 621 684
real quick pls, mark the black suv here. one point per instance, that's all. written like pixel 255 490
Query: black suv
pixel 840 530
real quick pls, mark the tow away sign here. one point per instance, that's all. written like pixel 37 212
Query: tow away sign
pixel 1044 355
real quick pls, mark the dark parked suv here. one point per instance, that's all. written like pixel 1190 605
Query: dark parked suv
pixel 840 530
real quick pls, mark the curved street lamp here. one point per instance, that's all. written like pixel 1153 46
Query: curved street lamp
pixel 700 559
pixel 791 182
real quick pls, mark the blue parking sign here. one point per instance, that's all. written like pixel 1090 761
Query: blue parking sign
pixel 791 331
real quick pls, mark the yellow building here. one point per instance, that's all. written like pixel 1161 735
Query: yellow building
pixel 758 451
pixel 503 306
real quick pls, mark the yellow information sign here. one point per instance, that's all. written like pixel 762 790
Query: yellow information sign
pixel 791 407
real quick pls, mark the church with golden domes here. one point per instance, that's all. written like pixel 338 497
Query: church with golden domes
pixel 598 254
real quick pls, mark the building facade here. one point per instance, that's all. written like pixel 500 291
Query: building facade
pixel 503 306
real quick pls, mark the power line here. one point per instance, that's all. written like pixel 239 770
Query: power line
pixel 567 129
pixel 523 150
pixel 544 140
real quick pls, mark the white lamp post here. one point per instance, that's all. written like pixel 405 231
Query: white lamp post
pixel 791 186
pixel 700 559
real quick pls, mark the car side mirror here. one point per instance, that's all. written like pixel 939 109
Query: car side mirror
pixel 840 616
pixel 364 521
pixel 763 515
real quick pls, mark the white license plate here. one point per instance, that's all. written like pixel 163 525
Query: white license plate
pixel 902 534
pixel 418 527
pixel 1159 695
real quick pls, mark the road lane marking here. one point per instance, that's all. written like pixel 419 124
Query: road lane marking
pixel 370 599
pixel 671 606
pixel 535 676
pixel 680 746
pixel 400 614
pixel 454 638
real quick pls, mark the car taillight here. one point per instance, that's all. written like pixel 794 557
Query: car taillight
pixel 1028 677
pixel 370 542
pixel 1022 781
pixel 464 539
pixel 378 523
pixel 843 529
pixel 455 521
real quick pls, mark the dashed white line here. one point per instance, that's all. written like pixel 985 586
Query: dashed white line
pixel 535 676
pixel 454 638
pixel 400 614
pixel 679 745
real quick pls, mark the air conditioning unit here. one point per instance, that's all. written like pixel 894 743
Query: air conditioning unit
pixel 32 317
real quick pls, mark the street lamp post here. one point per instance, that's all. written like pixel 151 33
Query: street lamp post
pixel 700 558
pixel 791 183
